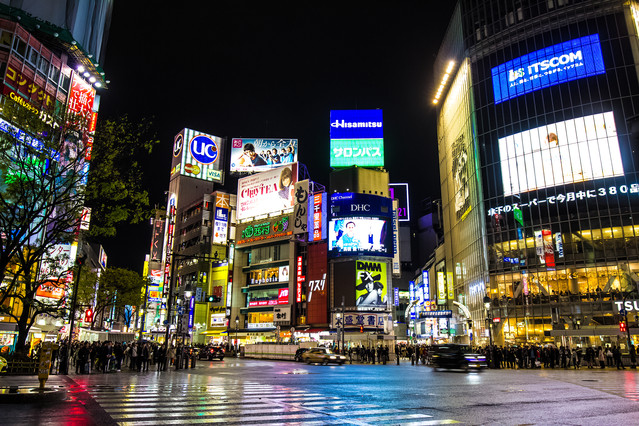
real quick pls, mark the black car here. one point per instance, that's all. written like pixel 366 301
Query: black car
pixel 455 356
pixel 211 352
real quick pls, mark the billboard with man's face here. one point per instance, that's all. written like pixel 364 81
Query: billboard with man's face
pixel 370 284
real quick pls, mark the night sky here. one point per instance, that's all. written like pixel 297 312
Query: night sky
pixel 238 69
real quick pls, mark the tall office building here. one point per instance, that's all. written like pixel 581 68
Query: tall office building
pixel 537 104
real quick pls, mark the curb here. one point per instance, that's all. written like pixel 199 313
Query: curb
pixel 31 395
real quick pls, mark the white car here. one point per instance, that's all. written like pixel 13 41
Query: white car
pixel 322 356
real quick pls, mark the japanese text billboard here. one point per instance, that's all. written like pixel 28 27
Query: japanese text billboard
pixel 556 64
pixel 266 192
pixel 577 150
pixel 399 192
pixel 316 272
pixel 357 138
pixel 198 155
pixel 256 155
pixel 370 284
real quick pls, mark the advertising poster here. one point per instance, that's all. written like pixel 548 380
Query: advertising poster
pixel 198 155
pixel 370 284
pixel 459 152
pixel 257 155
pixel 539 245
pixel 300 212
pixel 450 285
pixel 266 192
pixel 357 138
pixel 426 281
pixel 577 150
pixel 549 252
pixel 567 61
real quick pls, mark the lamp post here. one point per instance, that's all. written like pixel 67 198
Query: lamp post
pixel 237 323
pixel 188 293
pixel 79 261
pixel 488 319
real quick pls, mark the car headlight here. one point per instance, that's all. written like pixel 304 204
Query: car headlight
pixel 332 357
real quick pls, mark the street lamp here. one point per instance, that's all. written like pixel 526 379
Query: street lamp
pixel 488 319
pixel 79 261
pixel 237 323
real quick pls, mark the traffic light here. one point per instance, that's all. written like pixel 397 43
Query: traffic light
pixel 361 328
pixel 214 299
pixel 88 315
pixel 622 326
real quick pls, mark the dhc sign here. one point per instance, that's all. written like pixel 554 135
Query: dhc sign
pixel 556 64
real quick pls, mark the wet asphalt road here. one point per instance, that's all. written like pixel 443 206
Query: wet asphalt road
pixel 243 391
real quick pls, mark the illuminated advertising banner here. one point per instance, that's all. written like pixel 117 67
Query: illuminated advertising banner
pixel 198 155
pixel 360 236
pixel 81 97
pixel 449 285
pixel 257 155
pixel 57 262
pixel 357 138
pixel 300 279
pixel 441 287
pixel 426 281
pixel 556 64
pixel 413 297
pixel 396 259
pixel 263 230
pixel 266 192
pixel 317 212
pixel 577 150
pixel 345 204
pixel 220 225
pixel 317 272
pixel 399 192
pixel 370 284
pixel 157 240
pixel 300 212
pixel 53 289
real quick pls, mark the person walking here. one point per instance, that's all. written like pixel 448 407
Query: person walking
pixel 601 356
pixel 162 358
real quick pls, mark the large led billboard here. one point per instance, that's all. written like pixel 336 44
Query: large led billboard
pixel 255 155
pixel 567 61
pixel 360 236
pixel 267 192
pixel 198 155
pixel 370 284
pixel 576 150
pixel 357 138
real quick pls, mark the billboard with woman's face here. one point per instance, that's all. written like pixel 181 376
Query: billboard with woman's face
pixel 267 192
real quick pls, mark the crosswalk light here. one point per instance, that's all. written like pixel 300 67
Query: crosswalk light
pixel 361 328
pixel 622 326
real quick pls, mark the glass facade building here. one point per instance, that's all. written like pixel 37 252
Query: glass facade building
pixel 552 110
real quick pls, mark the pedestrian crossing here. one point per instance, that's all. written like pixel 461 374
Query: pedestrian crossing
pixel 245 404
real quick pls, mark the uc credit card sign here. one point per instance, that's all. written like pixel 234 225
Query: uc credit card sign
pixel 357 138
pixel 567 61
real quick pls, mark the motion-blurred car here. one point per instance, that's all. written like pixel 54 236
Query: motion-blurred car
pixel 3 364
pixel 299 352
pixel 322 356
pixel 455 356
pixel 211 352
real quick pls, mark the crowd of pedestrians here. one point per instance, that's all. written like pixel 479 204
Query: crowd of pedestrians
pixel 531 356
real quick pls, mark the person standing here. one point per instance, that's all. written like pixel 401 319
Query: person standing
pixel 134 356
pixel 162 358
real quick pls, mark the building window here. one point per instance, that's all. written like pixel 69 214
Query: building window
pixel 20 46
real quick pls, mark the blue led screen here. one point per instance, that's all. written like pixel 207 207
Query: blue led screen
pixel 556 64
pixel 357 124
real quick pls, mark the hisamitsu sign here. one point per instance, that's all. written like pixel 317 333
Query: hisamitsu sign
pixel 552 65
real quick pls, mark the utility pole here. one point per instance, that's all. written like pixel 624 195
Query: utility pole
pixel 79 261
